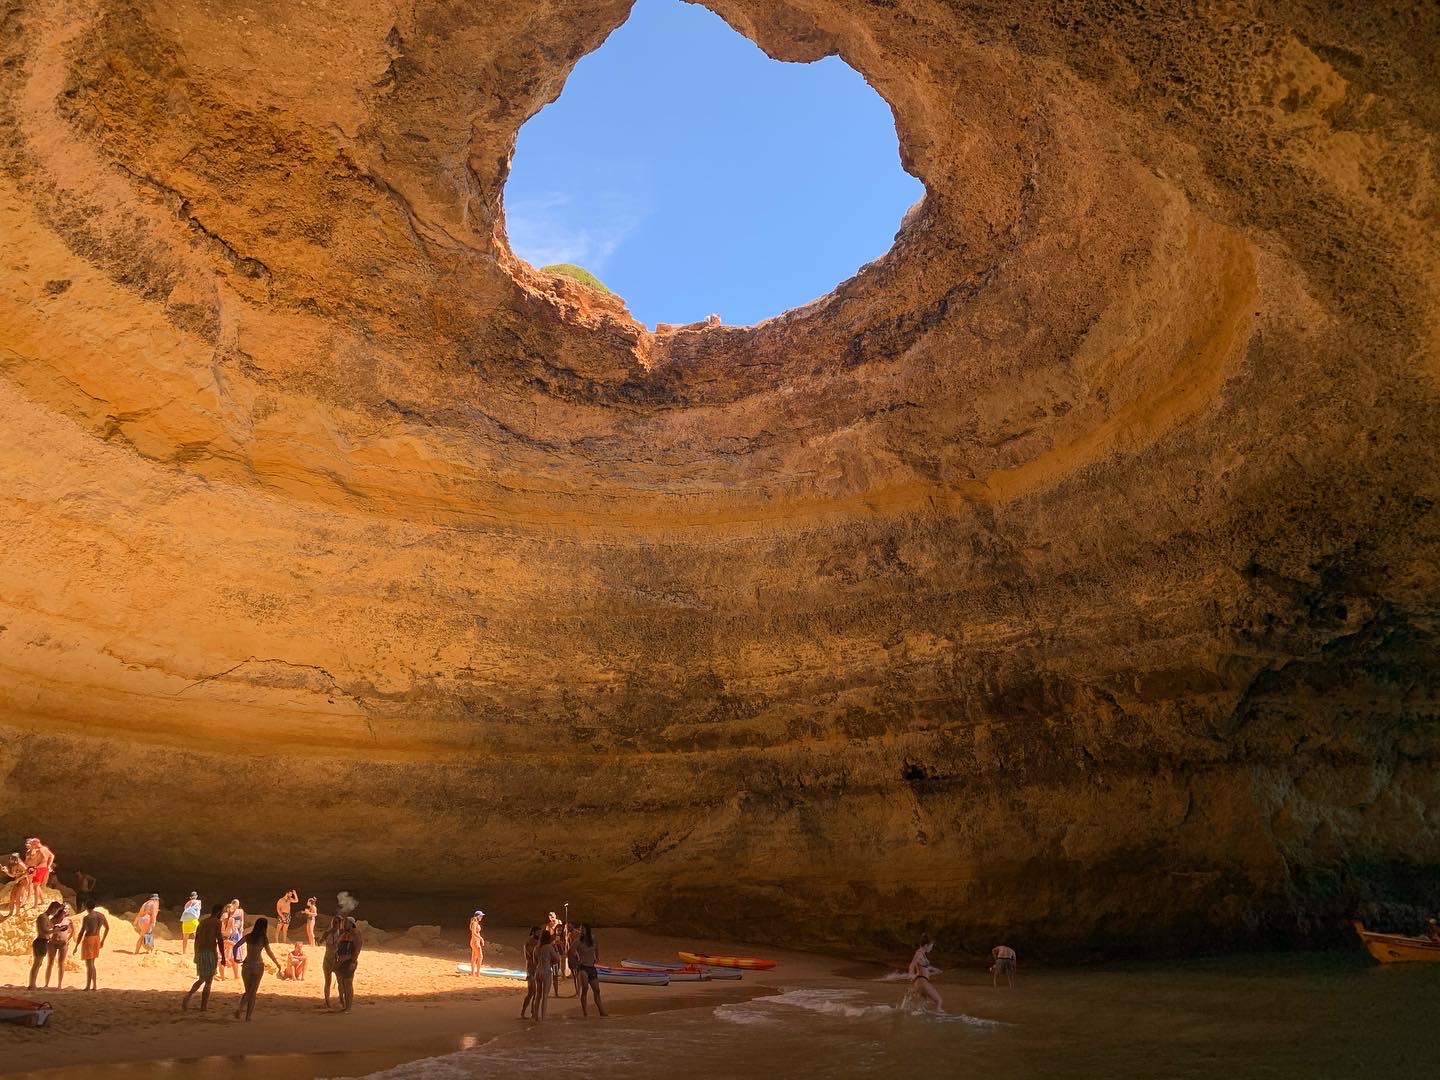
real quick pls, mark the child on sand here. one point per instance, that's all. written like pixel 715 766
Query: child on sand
pixel 94 929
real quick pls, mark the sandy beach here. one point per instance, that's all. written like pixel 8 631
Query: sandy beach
pixel 409 1003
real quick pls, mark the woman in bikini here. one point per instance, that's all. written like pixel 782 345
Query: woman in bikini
pixel 59 945
pixel 585 954
pixel 921 973
pixel 41 945
pixel 252 969
pixel 229 960
pixel 310 912
pixel 545 966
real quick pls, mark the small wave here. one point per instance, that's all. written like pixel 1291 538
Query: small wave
pixel 827 1003
pixel 895 976
pixel 742 1014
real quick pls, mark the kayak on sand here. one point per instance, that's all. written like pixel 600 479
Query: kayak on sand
pixel 750 963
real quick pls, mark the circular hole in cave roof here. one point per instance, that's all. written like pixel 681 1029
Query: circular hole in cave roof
pixel 692 174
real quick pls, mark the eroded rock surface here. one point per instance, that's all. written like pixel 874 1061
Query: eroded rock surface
pixel 1069 572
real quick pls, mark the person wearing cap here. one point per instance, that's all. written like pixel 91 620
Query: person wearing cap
pixel 477 942
pixel 189 921
pixel 145 921
pixel 41 861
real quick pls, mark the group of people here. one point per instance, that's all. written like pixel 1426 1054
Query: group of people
pixel 922 992
pixel 29 874
pixel 54 929
pixel 222 944
pixel 551 950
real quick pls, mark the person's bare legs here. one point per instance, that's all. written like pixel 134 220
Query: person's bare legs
pixel 203 985
pixel 247 999
pixel 524 1005
pixel 90 983
pixel 926 988
pixel 543 998
pixel 595 990
pixel 35 969
pixel 347 990
pixel 329 974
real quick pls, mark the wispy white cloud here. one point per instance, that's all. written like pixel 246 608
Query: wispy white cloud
pixel 584 226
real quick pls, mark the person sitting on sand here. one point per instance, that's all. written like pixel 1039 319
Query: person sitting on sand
pixel 145 921
pixel 477 942
pixel 210 947
pixel 296 962
pixel 94 929
pixel 544 967
pixel 532 943
pixel 1004 964
pixel 252 968
pixel 347 958
pixel 41 861
pixel 586 954
pixel 310 912
pixel 921 973
pixel 282 915
pixel 41 945
pixel 58 948
pixel 189 921
pixel 330 939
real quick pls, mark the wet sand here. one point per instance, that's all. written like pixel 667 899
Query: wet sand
pixel 409 1004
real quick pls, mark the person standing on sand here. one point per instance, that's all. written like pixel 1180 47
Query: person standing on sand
pixel 84 889
pixel 282 915
pixel 544 967
pixel 477 942
pixel 94 929
pixel 19 875
pixel 189 921
pixel 347 958
pixel 330 939
pixel 41 861
pixel 145 924
pixel 229 941
pixel 586 954
pixel 257 947
pixel 210 945
pixel 921 973
pixel 1004 964
pixel 532 943
pixel 59 945
pixel 310 912
pixel 41 945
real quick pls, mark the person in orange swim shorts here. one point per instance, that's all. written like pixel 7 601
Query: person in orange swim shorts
pixel 93 931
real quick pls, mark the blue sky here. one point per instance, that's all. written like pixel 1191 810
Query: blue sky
pixel 693 174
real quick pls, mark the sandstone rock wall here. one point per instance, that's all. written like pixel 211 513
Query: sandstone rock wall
pixel 1069 572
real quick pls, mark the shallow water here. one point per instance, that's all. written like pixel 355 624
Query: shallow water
pixel 1297 1017
pixel 1284 1018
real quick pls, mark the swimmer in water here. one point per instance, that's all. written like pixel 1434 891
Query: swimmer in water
pixel 921 973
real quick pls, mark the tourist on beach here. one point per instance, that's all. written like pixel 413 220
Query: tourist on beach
pixel 19 875
pixel 297 962
pixel 1432 930
pixel 310 912
pixel 229 941
pixel 1004 964
pixel 330 939
pixel 585 953
pixel 477 942
pixel 237 934
pixel 189 921
pixel 84 889
pixel 58 947
pixel 41 945
pixel 532 943
pixel 210 945
pixel 921 973
pixel 40 860
pixel 145 921
pixel 252 969
pixel 282 915
pixel 94 929
pixel 347 957
pixel 545 971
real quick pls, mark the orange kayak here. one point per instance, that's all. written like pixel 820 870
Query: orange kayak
pixel 1397 948
pixel 750 963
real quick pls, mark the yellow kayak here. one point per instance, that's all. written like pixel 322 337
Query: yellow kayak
pixel 1397 948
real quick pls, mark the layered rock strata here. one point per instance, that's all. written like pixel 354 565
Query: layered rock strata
pixel 1070 572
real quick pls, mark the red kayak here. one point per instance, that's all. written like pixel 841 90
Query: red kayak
pixel 749 963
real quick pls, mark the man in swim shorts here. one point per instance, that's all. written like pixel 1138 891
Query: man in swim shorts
pixel 209 940
pixel 84 889
pixel 282 915
pixel 145 924
pixel 1004 964
pixel 41 860
pixel 94 929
